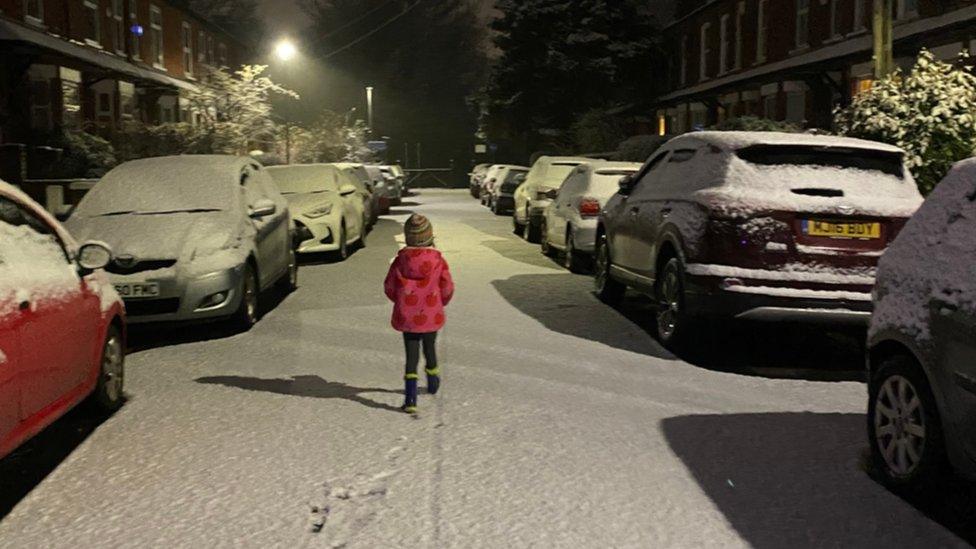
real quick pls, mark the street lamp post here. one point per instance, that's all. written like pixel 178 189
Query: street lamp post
pixel 369 107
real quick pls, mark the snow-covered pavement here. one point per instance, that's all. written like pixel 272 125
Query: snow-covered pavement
pixel 561 423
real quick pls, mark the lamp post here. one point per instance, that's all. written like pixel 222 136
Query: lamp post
pixel 884 59
pixel 369 107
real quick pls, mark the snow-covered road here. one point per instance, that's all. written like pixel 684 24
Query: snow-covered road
pixel 561 423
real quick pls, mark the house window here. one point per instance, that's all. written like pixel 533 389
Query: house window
pixel 91 21
pixel 187 49
pixel 34 11
pixel 684 60
pixel 761 30
pixel 859 15
pixel 703 58
pixel 834 19
pixel 211 56
pixel 223 54
pixel 156 35
pixel 907 9
pixel 70 98
pixel 201 47
pixel 127 100
pixel 802 22
pixel 739 18
pixel 118 27
pixel 723 48
pixel 135 30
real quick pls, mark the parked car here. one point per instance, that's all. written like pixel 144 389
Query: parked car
pixel 475 178
pixel 570 222
pixel 393 185
pixel 383 187
pixel 488 182
pixel 531 197
pixel 364 188
pixel 759 226
pixel 196 237
pixel 503 190
pixel 922 341
pixel 401 176
pixel 62 326
pixel 327 207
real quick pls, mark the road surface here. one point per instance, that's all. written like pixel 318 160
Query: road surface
pixel 562 423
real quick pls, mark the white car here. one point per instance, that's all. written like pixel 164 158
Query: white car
pixel 196 237
pixel 531 197
pixel 570 222
pixel 326 206
pixel 502 199
pixel 488 182
pixel 358 176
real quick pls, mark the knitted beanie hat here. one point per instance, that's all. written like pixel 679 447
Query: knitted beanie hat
pixel 418 231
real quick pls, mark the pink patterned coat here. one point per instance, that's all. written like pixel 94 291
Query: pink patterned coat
pixel 419 285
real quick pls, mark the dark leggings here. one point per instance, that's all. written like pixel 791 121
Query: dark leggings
pixel 412 344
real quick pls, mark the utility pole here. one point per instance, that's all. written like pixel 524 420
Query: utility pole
pixel 884 58
pixel 369 107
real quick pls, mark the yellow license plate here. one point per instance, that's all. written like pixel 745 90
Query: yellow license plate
pixel 830 229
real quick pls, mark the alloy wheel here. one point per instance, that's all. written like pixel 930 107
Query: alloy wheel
pixel 250 297
pixel 602 266
pixel 669 303
pixel 113 368
pixel 569 253
pixel 900 426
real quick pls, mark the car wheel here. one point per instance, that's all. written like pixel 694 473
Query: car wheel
pixel 362 235
pixel 289 282
pixel 519 227
pixel 533 231
pixel 904 427
pixel 547 249
pixel 571 258
pixel 343 252
pixel 247 314
pixel 672 319
pixel 607 289
pixel 108 395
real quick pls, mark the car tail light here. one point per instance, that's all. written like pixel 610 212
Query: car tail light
pixel 589 207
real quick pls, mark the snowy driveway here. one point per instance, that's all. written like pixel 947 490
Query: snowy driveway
pixel 561 423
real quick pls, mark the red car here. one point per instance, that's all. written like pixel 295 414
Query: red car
pixel 62 326
pixel 755 226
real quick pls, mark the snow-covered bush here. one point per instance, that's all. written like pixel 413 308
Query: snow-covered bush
pixel 145 141
pixel 328 139
pixel 85 154
pixel 929 112
pixel 755 124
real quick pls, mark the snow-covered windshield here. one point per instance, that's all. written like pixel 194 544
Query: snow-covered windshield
pixel 557 173
pixel 303 179
pixel 889 163
pixel 160 186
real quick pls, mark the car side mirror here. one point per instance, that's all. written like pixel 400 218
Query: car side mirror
pixel 520 179
pixel 626 184
pixel 552 194
pixel 94 255
pixel 262 208
pixel 347 189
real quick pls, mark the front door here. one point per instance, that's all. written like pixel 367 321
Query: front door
pixel 629 249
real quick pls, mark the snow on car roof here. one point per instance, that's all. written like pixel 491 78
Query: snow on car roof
pixel 167 183
pixel 738 140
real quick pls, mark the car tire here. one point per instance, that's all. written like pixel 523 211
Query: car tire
pixel 248 312
pixel 519 228
pixel 342 253
pixel 109 393
pixel 289 281
pixel 571 258
pixel 607 289
pixel 533 231
pixel 362 235
pixel 544 245
pixel 900 408
pixel 672 322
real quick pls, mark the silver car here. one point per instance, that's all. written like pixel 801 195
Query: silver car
pixel 195 237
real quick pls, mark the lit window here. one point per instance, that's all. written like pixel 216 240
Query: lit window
pixel 187 49
pixel 762 26
pixel 91 22
pixel 156 35
pixel 802 22
pixel 703 60
pixel 34 10
pixel 723 53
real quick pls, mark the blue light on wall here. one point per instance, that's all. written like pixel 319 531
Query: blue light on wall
pixel 137 30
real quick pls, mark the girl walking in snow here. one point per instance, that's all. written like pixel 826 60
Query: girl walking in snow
pixel 419 285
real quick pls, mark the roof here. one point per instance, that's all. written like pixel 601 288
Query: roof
pixel 739 140
pixel 15 32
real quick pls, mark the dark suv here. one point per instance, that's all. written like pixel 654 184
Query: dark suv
pixel 763 226
pixel 922 341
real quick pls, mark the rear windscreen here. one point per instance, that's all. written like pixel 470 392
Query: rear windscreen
pixel 837 157
pixel 512 174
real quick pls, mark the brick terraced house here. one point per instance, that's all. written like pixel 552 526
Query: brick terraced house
pixel 791 60
pixel 96 64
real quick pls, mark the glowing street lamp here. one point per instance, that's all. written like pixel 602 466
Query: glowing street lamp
pixel 285 50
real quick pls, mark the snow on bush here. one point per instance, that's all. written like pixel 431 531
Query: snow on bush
pixel 930 113
pixel 933 257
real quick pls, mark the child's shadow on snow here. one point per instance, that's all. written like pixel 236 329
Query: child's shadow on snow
pixel 304 386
